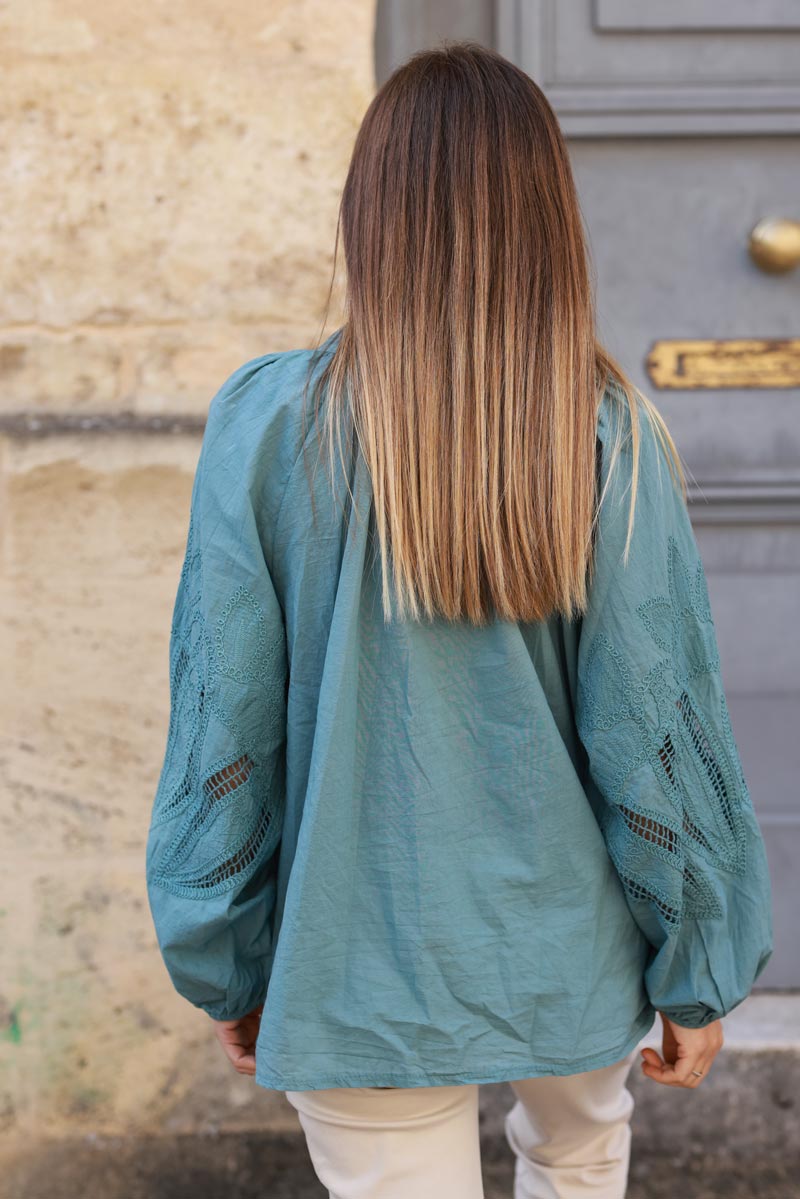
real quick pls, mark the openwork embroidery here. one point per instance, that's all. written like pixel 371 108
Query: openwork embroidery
pixel 663 751
pixel 225 803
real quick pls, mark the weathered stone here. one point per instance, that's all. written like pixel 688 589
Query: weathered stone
pixel 169 194
pixel 94 532
pixel 171 172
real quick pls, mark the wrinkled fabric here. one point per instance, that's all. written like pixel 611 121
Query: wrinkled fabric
pixel 440 854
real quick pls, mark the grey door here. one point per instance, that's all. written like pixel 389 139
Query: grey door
pixel 683 118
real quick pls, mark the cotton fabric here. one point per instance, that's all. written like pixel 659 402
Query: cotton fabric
pixel 440 854
pixel 570 1135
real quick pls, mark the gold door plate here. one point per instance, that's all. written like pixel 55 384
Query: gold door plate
pixel 753 362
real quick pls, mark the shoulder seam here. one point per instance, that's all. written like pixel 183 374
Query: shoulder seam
pixel 256 364
pixel 304 443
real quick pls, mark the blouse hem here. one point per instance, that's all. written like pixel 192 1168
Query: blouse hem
pixel 275 1081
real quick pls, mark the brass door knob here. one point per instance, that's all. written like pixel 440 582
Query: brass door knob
pixel 775 245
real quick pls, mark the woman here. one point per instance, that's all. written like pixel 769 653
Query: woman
pixel 450 792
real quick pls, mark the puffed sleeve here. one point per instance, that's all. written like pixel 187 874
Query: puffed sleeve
pixel 217 813
pixel 666 779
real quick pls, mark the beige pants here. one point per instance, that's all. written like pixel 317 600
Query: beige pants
pixel 570 1136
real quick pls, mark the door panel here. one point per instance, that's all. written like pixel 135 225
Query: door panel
pixel 705 15
pixel 604 77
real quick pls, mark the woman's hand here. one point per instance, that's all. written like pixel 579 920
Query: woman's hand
pixel 238 1039
pixel 685 1050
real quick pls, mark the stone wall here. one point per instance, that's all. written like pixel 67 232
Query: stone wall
pixel 168 197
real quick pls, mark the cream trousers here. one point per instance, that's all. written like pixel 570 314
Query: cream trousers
pixel 570 1136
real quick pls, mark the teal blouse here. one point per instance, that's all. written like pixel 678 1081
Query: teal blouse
pixel 439 854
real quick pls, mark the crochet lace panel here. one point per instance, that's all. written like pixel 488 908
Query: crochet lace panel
pixel 663 754
pixel 226 812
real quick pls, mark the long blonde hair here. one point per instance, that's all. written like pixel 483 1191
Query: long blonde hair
pixel 468 368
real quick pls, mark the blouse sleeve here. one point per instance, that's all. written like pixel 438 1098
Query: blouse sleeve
pixel 218 808
pixel 665 774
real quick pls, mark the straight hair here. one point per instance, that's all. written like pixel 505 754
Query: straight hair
pixel 468 369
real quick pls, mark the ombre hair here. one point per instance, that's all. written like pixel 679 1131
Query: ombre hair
pixel 467 369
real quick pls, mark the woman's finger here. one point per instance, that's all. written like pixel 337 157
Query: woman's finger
pixel 703 1066
pixel 687 1055
pixel 651 1057
pixel 245 1062
pixel 237 1042
pixel 677 1074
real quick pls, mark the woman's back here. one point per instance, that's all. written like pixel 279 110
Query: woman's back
pixel 440 852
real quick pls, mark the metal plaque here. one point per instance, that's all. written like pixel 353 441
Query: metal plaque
pixel 745 362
